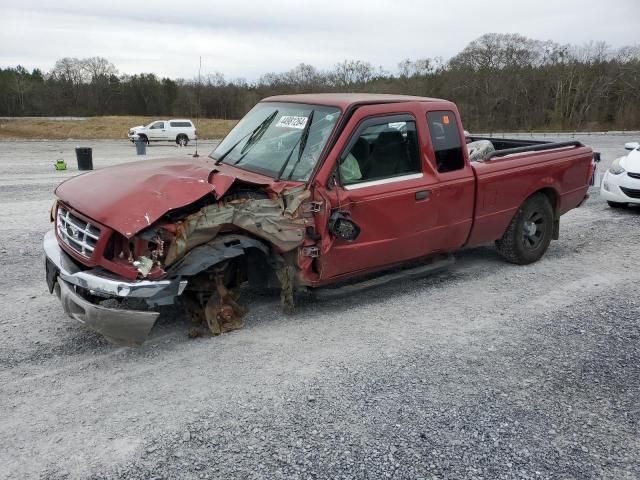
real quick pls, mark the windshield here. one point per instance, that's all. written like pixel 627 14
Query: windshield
pixel 280 140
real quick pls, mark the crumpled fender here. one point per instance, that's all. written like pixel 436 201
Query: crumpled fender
pixel 216 251
pixel 275 220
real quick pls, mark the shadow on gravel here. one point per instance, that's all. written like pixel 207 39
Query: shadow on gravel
pixel 630 209
pixel 71 339
pixel 605 230
pixel 309 304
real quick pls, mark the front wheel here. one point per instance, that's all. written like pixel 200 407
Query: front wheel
pixel 182 140
pixel 617 204
pixel 529 234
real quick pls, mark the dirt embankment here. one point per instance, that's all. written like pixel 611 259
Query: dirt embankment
pixel 106 128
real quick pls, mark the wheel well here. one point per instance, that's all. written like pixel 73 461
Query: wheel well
pixel 553 197
pixel 182 135
pixel 554 200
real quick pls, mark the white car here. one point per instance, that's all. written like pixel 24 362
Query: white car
pixel 180 131
pixel 621 182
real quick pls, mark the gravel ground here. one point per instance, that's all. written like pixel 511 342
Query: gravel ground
pixel 489 370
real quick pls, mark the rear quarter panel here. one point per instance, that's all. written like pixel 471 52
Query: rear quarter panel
pixel 504 183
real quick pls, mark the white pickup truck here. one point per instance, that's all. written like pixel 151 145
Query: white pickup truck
pixel 178 130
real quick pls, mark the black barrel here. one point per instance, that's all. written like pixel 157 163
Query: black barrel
pixel 84 156
pixel 141 146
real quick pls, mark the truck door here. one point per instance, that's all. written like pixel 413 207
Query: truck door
pixel 388 187
pixel 157 131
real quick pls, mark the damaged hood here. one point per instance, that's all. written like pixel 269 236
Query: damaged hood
pixel 130 197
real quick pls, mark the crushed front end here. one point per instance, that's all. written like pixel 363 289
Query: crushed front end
pixel 113 282
pixel 83 291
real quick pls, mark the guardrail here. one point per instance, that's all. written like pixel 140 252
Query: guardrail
pixel 556 134
pixel 53 119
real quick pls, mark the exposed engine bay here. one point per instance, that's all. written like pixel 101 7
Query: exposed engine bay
pixel 218 248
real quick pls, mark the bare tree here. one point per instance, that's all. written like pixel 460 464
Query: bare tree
pixel 416 68
pixel 352 72
pixel 96 68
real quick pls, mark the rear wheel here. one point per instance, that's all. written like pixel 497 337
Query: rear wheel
pixel 529 234
pixel 182 140
pixel 617 204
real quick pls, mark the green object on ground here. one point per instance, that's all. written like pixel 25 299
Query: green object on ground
pixel 60 165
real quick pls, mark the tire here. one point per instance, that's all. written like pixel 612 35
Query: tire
pixel 529 234
pixel 182 140
pixel 617 204
pixel 145 139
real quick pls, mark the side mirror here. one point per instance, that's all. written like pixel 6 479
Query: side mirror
pixel 342 226
pixel 631 145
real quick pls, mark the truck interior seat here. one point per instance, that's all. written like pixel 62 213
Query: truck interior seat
pixel 389 155
pixel 361 150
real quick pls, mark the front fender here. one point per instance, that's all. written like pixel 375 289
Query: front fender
pixel 216 251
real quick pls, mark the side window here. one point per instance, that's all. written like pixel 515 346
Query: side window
pixel 445 139
pixel 157 125
pixel 381 151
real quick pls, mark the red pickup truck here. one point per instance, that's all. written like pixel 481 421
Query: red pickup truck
pixel 312 191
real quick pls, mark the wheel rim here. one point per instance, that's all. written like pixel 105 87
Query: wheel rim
pixel 182 142
pixel 533 230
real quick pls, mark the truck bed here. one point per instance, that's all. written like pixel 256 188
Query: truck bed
pixel 505 143
pixel 518 168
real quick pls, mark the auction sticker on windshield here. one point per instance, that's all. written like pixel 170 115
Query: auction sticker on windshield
pixel 290 121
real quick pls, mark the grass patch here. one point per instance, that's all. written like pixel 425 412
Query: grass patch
pixel 107 128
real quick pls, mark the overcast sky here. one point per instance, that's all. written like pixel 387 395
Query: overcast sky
pixel 249 38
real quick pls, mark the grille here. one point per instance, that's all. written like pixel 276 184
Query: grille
pixel 634 175
pixel 81 236
pixel 631 193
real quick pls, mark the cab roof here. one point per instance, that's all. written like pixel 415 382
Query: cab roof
pixel 346 100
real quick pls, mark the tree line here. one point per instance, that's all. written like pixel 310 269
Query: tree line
pixel 499 81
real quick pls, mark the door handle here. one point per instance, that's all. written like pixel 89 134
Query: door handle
pixel 423 194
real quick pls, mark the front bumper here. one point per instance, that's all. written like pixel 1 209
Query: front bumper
pixel 610 188
pixel 122 327
pixel 75 287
